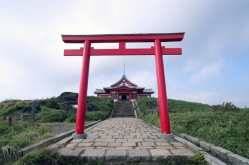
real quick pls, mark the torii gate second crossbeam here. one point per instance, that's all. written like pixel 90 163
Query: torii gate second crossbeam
pixel 122 39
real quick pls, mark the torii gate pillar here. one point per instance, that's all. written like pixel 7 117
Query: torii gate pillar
pixel 122 39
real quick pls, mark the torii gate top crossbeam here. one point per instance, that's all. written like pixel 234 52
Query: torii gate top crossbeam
pixel 122 39
pixel 110 38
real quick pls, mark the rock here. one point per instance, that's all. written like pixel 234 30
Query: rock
pixel 67 100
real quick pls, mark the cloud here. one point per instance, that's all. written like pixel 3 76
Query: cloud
pixel 206 72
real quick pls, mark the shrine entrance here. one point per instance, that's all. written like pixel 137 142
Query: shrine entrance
pixel 157 50
pixel 124 97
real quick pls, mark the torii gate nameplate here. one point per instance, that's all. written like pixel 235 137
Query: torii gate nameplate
pixel 122 39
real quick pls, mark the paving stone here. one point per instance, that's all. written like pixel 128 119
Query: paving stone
pixel 135 133
pixel 92 137
pixel 148 144
pixel 71 145
pixel 118 137
pixel 149 140
pixel 182 152
pixel 100 144
pixel 93 154
pixel 105 137
pixel 135 140
pixel 166 147
pixel 113 134
pixel 121 140
pixel 142 136
pixel 115 155
pixel 160 140
pixel 159 154
pixel 105 140
pixel 129 137
pixel 76 140
pixel 139 155
pixel 177 144
pixel 129 144
pixel 143 147
pixel 114 144
pixel 162 144
pixel 85 144
pixel 150 136
pixel 88 140
pixel 70 153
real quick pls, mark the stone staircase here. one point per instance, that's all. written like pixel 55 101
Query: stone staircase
pixel 123 109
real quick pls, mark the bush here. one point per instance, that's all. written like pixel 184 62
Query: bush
pixel 226 107
pixel 102 103
pixel 71 119
pixel 50 103
pixel 97 115
pixel 52 115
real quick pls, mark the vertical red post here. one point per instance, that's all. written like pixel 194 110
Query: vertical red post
pixel 162 95
pixel 82 98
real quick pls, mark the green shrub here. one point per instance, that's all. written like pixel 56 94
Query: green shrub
pixel 50 103
pixel 97 115
pixel 226 107
pixel 52 115
pixel 71 119
pixel 46 156
pixel 8 110
pixel 102 103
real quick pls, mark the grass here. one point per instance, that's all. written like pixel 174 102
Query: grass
pixel 226 128
pixel 19 135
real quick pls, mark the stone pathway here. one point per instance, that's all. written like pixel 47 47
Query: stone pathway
pixel 124 140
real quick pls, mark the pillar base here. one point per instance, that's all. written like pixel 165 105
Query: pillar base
pixel 167 136
pixel 79 136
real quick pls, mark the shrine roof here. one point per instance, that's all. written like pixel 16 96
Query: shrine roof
pixel 123 77
pixel 148 90
pixel 100 91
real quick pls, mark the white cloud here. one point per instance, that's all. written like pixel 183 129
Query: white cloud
pixel 206 72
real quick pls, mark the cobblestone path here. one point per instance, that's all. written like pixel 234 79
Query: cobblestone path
pixel 124 140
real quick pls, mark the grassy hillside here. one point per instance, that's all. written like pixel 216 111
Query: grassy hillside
pixel 227 127
pixel 22 134
pixel 145 105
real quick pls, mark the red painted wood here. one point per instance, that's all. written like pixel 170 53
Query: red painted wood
pixel 81 110
pixel 162 96
pixel 121 51
pixel 163 37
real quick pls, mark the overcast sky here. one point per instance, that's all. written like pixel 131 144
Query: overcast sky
pixel 213 68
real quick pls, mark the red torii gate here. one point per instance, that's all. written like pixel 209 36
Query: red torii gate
pixel 122 39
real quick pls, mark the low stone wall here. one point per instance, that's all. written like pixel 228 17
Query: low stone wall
pixel 49 141
pixel 225 155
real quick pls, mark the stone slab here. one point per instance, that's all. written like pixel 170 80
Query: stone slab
pixel 159 154
pixel 128 144
pixel 237 159
pixel 182 152
pixel 139 155
pixel 221 152
pixel 205 145
pixel 93 154
pixel 100 144
pixel 116 155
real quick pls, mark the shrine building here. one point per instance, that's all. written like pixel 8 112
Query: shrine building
pixel 124 90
